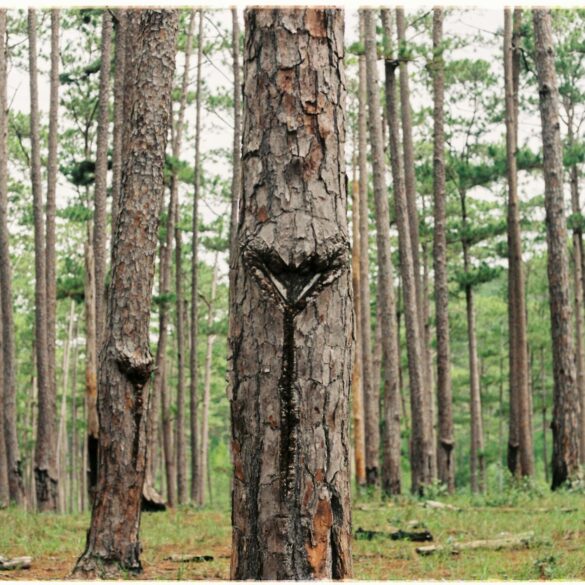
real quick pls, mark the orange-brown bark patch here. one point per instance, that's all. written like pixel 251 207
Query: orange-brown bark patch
pixel 317 550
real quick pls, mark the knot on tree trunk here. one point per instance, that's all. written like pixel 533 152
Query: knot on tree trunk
pixel 136 365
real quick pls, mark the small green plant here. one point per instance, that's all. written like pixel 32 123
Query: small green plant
pixel 546 566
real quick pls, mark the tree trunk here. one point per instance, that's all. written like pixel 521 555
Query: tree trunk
pixel 520 454
pixel 446 441
pixel 45 464
pixel 119 76
pixel 15 479
pixel 74 457
pixel 391 479
pixel 543 411
pixel 204 444
pixel 193 362
pixel 357 405
pixel 567 407
pixel 422 456
pixel 126 361
pixel 4 489
pixel 291 347
pixel 52 168
pixel 182 494
pixel 370 386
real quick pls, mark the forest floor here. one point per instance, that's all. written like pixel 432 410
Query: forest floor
pixel 556 551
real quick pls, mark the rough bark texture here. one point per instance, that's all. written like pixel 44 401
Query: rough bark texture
pixel 15 480
pixel 120 73
pixel 51 208
pixel 193 365
pixel 126 361
pixel 4 489
pixel 567 407
pixel 357 395
pixel 422 461
pixel 520 453
pixel 101 180
pixel 290 353
pixel 446 441
pixel 45 464
pixel 371 387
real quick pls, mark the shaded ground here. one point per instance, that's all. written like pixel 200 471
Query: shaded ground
pixel 557 520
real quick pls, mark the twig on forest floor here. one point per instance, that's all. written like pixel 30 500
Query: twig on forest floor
pixel 506 542
pixel 189 558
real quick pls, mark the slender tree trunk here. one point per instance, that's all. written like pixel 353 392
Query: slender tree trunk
pixel 74 457
pixel 567 407
pixel 182 494
pixel 8 381
pixel 446 441
pixel 193 362
pixel 291 347
pixel 543 411
pixel 520 452
pixel 119 76
pixel 126 361
pixel 45 464
pixel 422 456
pixel 391 467
pixel 51 208
pixel 204 444
pixel 359 446
pixel 90 367
pixel 477 456
pixel 4 489
pixel 370 385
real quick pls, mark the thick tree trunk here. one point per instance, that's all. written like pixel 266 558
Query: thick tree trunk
pixel 422 455
pixel 371 387
pixel 291 347
pixel 567 407
pixel 193 362
pixel 386 300
pixel 357 404
pixel 101 183
pixel 8 381
pixel 520 452
pixel 204 444
pixel 446 441
pixel 126 361
pixel 45 464
pixel 119 76
pixel 51 208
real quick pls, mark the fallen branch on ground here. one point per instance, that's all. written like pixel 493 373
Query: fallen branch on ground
pixel 189 558
pixel 506 542
pixel 422 536
pixel 15 563
pixel 439 506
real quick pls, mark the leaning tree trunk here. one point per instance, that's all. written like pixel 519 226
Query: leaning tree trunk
pixel 15 479
pixel 370 386
pixel 126 362
pixel 520 455
pixel 422 450
pixel 45 465
pixel 291 347
pixel 386 300
pixel 193 361
pixel 567 407
pixel 446 442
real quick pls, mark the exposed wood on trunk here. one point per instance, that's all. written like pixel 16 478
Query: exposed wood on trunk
pixel 45 472
pixel 446 440
pixel 567 407
pixel 291 345
pixel 370 384
pixel 520 455
pixel 8 381
pixel 126 362
pixel 386 300
pixel 422 451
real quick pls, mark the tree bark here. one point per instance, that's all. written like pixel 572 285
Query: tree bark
pixel 75 505
pixel 45 464
pixel 370 386
pixel 567 407
pixel 520 451
pixel 4 489
pixel 386 300
pixel 193 362
pixel 291 346
pixel 446 441
pixel 422 454
pixel 15 479
pixel 126 362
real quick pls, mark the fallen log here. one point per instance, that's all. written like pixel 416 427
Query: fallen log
pixel 15 563
pixel 420 536
pixel 506 542
pixel 189 558
pixel 433 505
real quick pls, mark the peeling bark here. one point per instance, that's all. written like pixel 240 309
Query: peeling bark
pixel 291 346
